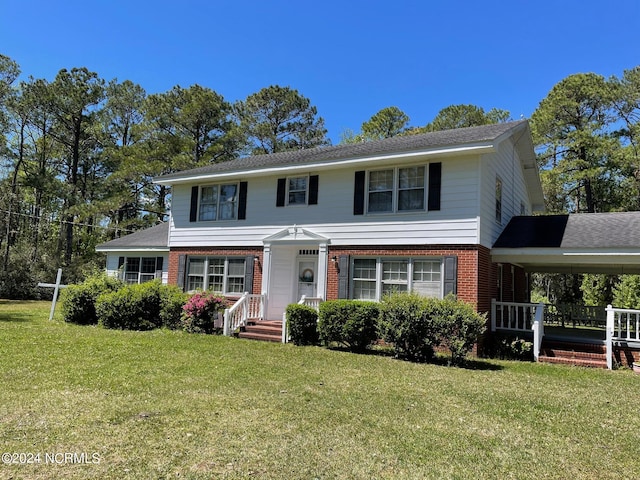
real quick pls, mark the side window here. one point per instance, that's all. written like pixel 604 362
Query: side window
pixel 218 202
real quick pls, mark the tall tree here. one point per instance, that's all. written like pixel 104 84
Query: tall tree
pixel 72 98
pixel 570 129
pixel 188 128
pixel 277 118
pixel 388 122
pixel 464 115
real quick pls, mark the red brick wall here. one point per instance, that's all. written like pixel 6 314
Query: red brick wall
pixel 175 253
pixel 473 262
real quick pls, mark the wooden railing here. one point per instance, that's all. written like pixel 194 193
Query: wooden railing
pixel 248 306
pixel 520 317
pixel 623 326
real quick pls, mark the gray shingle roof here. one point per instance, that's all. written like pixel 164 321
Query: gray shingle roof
pixel 445 138
pixel 153 237
pixel 580 230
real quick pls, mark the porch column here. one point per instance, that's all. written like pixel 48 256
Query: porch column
pixel 266 269
pixel 322 270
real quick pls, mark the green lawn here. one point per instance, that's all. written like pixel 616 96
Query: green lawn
pixel 171 405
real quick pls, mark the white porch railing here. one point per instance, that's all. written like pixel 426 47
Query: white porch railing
pixel 313 302
pixel 520 317
pixel 248 306
pixel 623 326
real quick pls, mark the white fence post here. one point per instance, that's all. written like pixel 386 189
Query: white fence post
pixel 493 314
pixel 609 336
pixel 284 327
pixel 227 321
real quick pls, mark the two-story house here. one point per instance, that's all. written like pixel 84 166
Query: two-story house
pixel 417 213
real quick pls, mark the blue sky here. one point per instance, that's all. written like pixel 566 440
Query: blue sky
pixel 350 58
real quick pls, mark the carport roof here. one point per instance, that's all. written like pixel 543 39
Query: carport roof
pixel 579 243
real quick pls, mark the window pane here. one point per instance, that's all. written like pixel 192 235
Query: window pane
pixel 412 177
pixel 236 268
pixel 208 203
pixel 195 283
pixel 394 271
pixel 364 290
pixel 146 278
pixel 131 277
pixel 411 199
pixel 133 265
pixel 381 180
pixel 196 266
pixel 297 198
pixel 228 200
pixel 148 265
pixel 235 285
pixel 411 188
pixel 426 270
pixel 380 201
pixel 297 184
pixel 364 269
pixel 389 288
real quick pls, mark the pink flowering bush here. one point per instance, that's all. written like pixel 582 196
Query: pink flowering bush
pixel 201 311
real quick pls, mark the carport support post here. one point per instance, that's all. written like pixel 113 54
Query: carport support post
pixel 609 336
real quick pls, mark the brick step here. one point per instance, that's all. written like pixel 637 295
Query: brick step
pixel 268 331
pixel 575 347
pixel 554 352
pixel 582 362
pixel 260 336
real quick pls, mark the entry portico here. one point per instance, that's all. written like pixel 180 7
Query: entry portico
pixel 294 265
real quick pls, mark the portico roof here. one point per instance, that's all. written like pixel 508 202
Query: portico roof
pixel 576 243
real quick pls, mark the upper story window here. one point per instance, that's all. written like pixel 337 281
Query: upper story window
pixel 218 202
pixel 297 190
pixel 227 201
pixel 400 189
pixel 302 190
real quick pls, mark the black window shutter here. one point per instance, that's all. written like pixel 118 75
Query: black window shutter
pixel 358 193
pixel 435 186
pixel 313 190
pixel 282 187
pixel 120 262
pixel 248 273
pixel 343 276
pixel 194 204
pixel 450 275
pixel 182 270
pixel 242 201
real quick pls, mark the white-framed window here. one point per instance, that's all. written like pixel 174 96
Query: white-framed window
pixel 297 190
pixel 218 202
pixel 139 269
pixel 220 274
pixel 372 278
pixel 396 190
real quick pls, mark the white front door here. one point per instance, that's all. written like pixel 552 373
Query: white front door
pixel 307 278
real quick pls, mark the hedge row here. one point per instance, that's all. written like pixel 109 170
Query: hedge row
pixel 106 301
pixel 415 325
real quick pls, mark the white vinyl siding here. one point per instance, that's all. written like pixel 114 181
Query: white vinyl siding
pixel 373 278
pixel 456 223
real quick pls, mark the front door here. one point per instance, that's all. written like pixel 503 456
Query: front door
pixel 307 278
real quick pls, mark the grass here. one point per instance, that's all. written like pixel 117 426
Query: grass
pixel 172 405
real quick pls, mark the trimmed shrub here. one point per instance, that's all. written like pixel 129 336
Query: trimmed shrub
pixel 79 301
pixel 132 307
pixel 201 311
pixel 351 323
pixel 302 321
pixel 407 321
pixel 458 327
pixel 507 346
pixel 171 309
